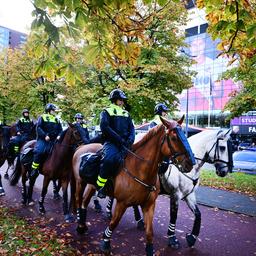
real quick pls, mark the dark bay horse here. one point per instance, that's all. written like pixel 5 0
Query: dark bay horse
pixel 57 166
pixel 137 182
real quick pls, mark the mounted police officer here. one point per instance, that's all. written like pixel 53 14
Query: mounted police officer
pixel 48 130
pixel 118 133
pixel 79 120
pixel 160 110
pixel 24 128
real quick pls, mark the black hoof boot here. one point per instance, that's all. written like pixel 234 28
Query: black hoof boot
pixel 24 200
pixel 2 192
pixel 6 176
pixel 97 206
pixel 149 250
pixel 173 242
pixel 105 247
pixel 140 225
pixel 81 229
pixel 41 208
pixel 109 215
pixel 191 240
pixel 56 196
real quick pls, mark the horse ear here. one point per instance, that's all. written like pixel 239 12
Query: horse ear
pixel 181 120
pixel 70 125
pixel 164 122
pixel 228 133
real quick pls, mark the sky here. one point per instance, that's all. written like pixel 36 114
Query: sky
pixel 16 14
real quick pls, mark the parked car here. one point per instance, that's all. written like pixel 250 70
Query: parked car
pixel 245 161
pixel 244 145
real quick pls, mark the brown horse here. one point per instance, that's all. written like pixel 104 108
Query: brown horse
pixel 137 181
pixel 57 166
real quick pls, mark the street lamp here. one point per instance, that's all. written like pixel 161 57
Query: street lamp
pixel 186 128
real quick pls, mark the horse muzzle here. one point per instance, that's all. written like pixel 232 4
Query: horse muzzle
pixel 221 169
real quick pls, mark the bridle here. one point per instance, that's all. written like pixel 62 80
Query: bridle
pixel 216 158
pixel 173 158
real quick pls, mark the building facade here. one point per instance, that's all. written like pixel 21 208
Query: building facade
pixel 205 101
pixel 11 38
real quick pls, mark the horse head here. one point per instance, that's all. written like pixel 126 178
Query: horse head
pixel 175 145
pixel 75 134
pixel 220 153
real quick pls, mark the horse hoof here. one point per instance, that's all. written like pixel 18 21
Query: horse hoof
pixel 109 215
pixel 81 230
pixel 97 207
pixel 41 209
pixel 68 218
pixel 6 176
pixel 105 247
pixel 173 242
pixel 149 250
pixel 191 240
pixel 31 202
pixel 140 225
pixel 56 196
pixel 2 192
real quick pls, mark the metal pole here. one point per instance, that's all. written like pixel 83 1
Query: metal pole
pixel 187 116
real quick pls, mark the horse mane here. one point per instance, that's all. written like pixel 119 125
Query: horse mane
pixel 62 135
pixel 152 132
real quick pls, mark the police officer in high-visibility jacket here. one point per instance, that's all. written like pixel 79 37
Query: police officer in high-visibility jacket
pixel 118 133
pixel 48 130
pixel 24 128
pixel 160 110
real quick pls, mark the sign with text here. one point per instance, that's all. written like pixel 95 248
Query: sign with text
pixel 244 120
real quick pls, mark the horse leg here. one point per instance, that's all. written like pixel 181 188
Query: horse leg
pixel 10 163
pixel 66 210
pixel 118 213
pixel 138 218
pixel 32 181
pixel 109 207
pixel 97 206
pixel 56 189
pixel 172 239
pixel 2 192
pixel 82 210
pixel 191 202
pixel 148 213
pixel 43 194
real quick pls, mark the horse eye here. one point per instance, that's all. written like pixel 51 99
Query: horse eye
pixel 222 148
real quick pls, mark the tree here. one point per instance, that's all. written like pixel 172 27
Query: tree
pixel 123 44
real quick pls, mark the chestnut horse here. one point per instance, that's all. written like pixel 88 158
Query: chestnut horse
pixel 57 166
pixel 137 181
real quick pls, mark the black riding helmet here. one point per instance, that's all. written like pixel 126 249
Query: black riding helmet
pixel 25 110
pixel 159 108
pixel 117 94
pixel 79 116
pixel 50 107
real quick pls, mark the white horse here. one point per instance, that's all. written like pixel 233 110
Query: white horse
pixel 210 146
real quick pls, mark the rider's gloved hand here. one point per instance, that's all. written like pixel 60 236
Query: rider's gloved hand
pixel 47 138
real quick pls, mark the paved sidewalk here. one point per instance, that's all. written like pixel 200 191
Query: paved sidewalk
pixel 227 200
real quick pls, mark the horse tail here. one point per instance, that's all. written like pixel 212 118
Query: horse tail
pixel 16 172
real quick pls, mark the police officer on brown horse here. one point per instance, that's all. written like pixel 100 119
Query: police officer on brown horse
pixel 48 130
pixel 118 133
pixel 24 128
